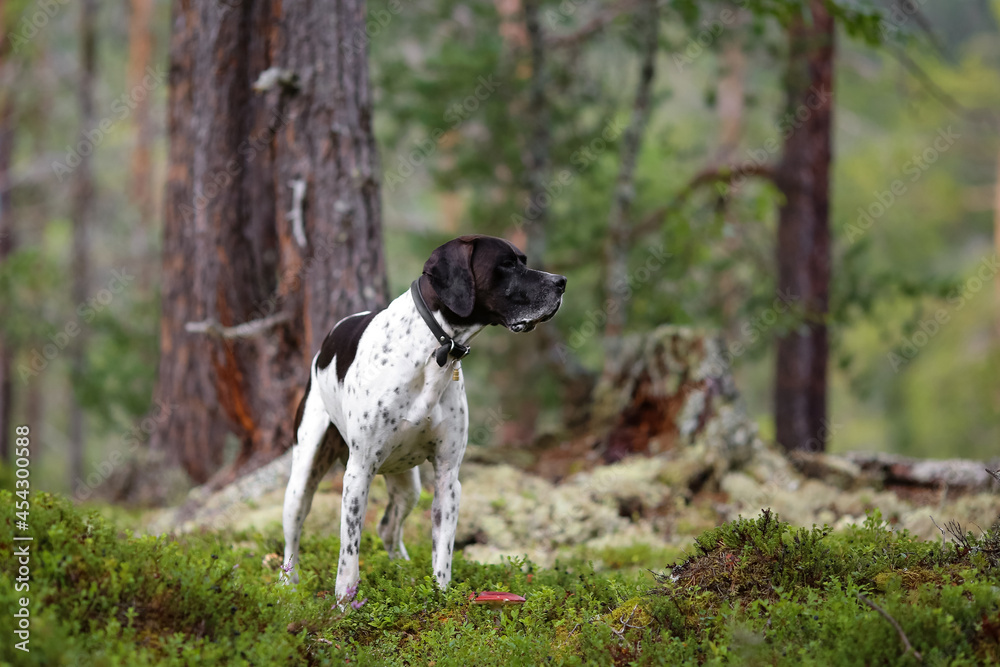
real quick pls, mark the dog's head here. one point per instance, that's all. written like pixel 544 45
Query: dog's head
pixel 485 280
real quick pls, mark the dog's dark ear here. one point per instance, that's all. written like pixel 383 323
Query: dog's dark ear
pixel 450 272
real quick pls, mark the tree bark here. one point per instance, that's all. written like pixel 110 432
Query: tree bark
pixel 803 248
pixel 272 206
pixel 616 253
pixel 83 204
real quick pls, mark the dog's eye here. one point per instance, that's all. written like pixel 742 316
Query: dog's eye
pixel 508 263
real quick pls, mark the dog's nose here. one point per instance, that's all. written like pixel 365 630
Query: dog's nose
pixel 561 284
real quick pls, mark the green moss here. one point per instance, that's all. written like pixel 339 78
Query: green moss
pixel 756 591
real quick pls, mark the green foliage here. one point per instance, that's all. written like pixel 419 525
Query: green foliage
pixel 121 365
pixel 720 270
pixel 756 592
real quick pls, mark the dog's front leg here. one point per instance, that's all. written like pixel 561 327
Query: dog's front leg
pixel 444 517
pixel 357 481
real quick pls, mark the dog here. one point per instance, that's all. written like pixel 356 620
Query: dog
pixel 386 393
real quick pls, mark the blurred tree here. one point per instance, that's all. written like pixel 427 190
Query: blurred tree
pixel 616 286
pixel 81 214
pixel 272 226
pixel 140 58
pixel 6 225
pixel 803 248
pixel 996 246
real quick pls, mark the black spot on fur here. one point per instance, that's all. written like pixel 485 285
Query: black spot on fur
pixel 342 342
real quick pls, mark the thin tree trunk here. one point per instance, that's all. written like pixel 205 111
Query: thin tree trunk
pixel 7 239
pixel 83 201
pixel 531 233
pixel 803 248
pixel 730 104
pixel 730 99
pixel 272 206
pixel 537 156
pixel 140 54
pixel 996 244
pixel 616 249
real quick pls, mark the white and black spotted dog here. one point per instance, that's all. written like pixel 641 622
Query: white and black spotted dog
pixel 386 393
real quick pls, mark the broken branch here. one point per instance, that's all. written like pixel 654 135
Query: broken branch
pixel 246 330
pixel 724 174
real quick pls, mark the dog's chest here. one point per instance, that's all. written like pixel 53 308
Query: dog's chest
pixel 411 445
pixel 395 406
pixel 405 428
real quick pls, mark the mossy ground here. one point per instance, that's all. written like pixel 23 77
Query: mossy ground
pixel 754 591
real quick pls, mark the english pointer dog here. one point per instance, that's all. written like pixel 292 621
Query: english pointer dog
pixel 386 393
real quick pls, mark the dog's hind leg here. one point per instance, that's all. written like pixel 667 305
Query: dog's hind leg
pixel 318 442
pixel 404 491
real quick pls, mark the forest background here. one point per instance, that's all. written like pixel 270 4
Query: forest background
pixel 475 109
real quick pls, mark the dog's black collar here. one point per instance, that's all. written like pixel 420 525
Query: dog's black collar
pixel 448 344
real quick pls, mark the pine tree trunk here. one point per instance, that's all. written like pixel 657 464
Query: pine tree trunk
pixel 247 162
pixel 83 204
pixel 803 249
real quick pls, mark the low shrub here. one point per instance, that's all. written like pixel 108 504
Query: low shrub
pixel 756 591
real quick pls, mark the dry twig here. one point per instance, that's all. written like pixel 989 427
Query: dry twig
pixel 902 635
